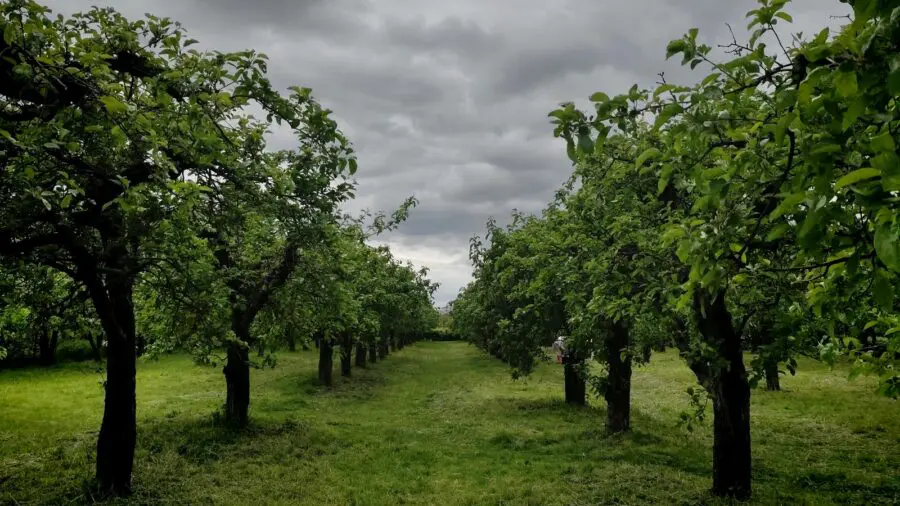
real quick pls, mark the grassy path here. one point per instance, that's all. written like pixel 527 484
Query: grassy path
pixel 439 423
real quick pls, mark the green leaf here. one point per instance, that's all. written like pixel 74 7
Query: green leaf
pixel 857 176
pixel 782 126
pixel 599 97
pixel 662 89
pixel 777 231
pixel 674 47
pixel 113 104
pixel 787 205
pixel 826 148
pixel 883 143
pixel 887 246
pixel 785 16
pixel 646 155
pixel 9 33
pixel 893 82
pixel 666 114
pixel 846 84
pixel 585 143
pixel 863 10
pixel 883 291
pixel 353 166
pixel 853 112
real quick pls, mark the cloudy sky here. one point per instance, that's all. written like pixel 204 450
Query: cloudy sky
pixel 447 100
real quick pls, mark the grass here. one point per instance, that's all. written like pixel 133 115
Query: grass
pixel 439 423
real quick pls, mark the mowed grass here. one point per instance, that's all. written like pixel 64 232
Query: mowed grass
pixel 439 423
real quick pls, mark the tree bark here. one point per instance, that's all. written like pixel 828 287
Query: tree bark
pixel 770 360
pixel 237 384
pixel 373 352
pixel 326 359
pixel 346 353
pixel 574 384
pixel 773 382
pixel 618 386
pixel 118 431
pixel 360 354
pixel 291 339
pixel 95 346
pixel 730 391
pixel 646 352
pixel 383 348
pixel 47 342
pixel 140 344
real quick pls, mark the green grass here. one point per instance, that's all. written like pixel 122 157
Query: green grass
pixel 439 423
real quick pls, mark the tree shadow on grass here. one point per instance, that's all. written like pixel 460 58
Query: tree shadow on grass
pixel 203 440
pixel 555 427
pixel 299 389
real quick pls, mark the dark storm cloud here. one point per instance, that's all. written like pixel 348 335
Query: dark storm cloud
pixel 448 100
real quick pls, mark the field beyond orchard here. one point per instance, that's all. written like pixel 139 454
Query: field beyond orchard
pixel 439 423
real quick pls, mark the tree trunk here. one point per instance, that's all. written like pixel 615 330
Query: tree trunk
pixel 47 341
pixel 291 339
pixel 326 358
pixel 730 391
pixel 237 384
pixel 646 352
pixel 383 348
pixel 346 353
pixel 95 346
pixel 360 354
pixel 118 431
pixel 373 352
pixel 618 386
pixel 773 382
pixel 140 344
pixel 574 383
pixel 770 359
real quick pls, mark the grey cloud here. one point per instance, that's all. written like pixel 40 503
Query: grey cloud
pixel 448 100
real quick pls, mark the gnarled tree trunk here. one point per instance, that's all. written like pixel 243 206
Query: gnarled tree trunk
pixel 730 391
pixel 118 431
pixel 618 386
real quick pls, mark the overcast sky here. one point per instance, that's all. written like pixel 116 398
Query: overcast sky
pixel 448 100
